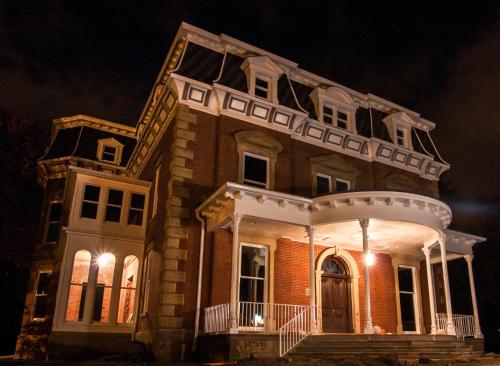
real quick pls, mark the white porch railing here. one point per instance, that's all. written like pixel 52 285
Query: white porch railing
pixel 294 331
pixel 217 318
pixel 464 324
pixel 267 317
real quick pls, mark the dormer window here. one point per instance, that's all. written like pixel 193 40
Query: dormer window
pixel 327 115
pixel 400 136
pixel 261 88
pixel 335 107
pixel 109 151
pixel 262 77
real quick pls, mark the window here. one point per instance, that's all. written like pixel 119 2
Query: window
pixel 261 88
pixel 146 275
pixel 342 185
pixel 128 289
pixel 104 285
pixel 400 136
pixel 255 169
pixel 90 202
pixel 78 286
pixel 342 120
pixel 114 205
pixel 407 298
pixel 108 153
pixel 323 184
pixel 253 286
pixel 328 115
pixel 156 188
pixel 53 222
pixel 136 209
pixel 41 296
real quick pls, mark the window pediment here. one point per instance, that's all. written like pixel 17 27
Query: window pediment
pixel 337 169
pixel 336 107
pixel 399 125
pixel 258 143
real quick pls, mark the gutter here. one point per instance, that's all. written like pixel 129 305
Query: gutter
pixel 200 277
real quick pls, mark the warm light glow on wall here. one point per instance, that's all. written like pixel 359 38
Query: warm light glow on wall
pixel 369 259
pixel 104 259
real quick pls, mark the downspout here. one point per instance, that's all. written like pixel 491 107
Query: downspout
pixel 200 277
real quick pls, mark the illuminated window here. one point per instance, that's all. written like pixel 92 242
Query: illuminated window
pixel 53 222
pixel 323 184
pixel 342 185
pixel 114 205
pixel 78 285
pixel 103 289
pixel 328 115
pixel 90 202
pixel 261 88
pixel 255 169
pixel 41 296
pixel 342 120
pixel 135 212
pixel 128 290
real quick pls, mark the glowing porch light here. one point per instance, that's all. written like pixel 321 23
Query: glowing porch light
pixel 104 259
pixel 369 259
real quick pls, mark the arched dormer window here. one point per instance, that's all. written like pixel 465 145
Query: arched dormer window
pixel 262 77
pixel 399 125
pixel 335 107
pixel 109 151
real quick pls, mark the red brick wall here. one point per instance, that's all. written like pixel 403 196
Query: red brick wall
pixel 221 268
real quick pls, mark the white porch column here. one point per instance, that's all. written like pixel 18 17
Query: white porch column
pixel 450 328
pixel 368 322
pixel 88 308
pixel 116 289
pixel 477 333
pixel 233 304
pixel 430 285
pixel 312 277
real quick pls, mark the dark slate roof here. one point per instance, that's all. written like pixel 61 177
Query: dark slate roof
pixel 232 75
pixel 363 125
pixel 379 128
pixel 200 63
pixel 302 92
pixel 82 142
pixel 425 139
pixel 285 94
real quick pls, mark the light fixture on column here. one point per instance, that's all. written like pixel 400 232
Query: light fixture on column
pixel 104 259
pixel 369 259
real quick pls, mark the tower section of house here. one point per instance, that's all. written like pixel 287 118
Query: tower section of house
pixel 281 203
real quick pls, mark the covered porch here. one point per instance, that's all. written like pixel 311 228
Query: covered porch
pixel 342 263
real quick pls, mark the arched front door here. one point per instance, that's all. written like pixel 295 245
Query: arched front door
pixel 335 296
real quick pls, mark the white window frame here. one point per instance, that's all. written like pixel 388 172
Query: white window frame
pixel 48 222
pixel 403 138
pixel 130 208
pixel 266 276
pixel 259 184
pixel 330 188
pixel 114 205
pixel 348 182
pixel 98 202
pixel 346 121
pixel 332 116
pixel 37 295
pixel 268 80
pixel 415 302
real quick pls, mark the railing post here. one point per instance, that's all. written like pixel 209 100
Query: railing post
pixel 430 284
pixel 450 327
pixel 477 326
pixel 233 311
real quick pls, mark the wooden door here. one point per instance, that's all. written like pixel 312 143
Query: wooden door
pixel 335 305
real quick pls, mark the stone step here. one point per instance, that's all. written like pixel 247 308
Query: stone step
pixel 367 344
pixel 374 337
pixel 396 349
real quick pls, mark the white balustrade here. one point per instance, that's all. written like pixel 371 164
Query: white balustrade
pixel 217 318
pixel 464 325
pixel 296 330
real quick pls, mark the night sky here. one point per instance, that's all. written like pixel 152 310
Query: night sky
pixel 441 59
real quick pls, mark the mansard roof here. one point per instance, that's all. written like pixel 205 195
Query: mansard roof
pixel 223 67
pixel 82 142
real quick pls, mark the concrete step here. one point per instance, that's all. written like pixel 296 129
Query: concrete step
pixel 391 337
pixel 385 343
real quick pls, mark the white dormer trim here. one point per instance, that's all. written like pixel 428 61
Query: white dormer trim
pixel 339 101
pixel 103 156
pixel 400 121
pixel 264 68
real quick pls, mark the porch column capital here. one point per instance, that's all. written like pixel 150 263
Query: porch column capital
pixel 364 223
pixel 469 258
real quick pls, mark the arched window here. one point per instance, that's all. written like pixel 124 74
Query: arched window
pixel 78 285
pixel 128 290
pixel 104 286
pixel 334 267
